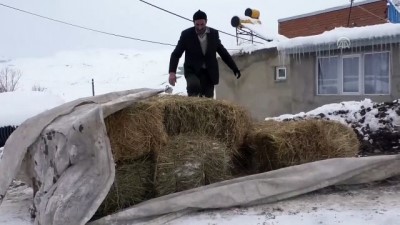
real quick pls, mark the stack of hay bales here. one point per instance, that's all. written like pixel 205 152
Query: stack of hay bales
pixel 168 144
pixel 273 145
pixel 136 134
pixel 204 137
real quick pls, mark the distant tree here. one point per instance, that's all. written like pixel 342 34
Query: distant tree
pixel 9 79
pixel 37 87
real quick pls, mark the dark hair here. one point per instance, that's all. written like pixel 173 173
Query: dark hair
pixel 199 15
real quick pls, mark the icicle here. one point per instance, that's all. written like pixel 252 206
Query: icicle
pixel 398 46
pixel 281 56
pixel 298 53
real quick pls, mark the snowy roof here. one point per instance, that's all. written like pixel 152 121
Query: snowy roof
pixel 327 10
pixel 380 34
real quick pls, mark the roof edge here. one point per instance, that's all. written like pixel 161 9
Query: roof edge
pixel 364 42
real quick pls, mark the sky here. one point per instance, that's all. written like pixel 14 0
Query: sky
pixel 25 35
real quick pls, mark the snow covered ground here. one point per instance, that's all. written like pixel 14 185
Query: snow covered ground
pixel 69 74
pixel 371 204
pixel 21 105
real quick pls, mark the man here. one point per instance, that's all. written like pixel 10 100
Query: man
pixel 200 44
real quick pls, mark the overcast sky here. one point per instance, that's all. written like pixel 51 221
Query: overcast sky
pixel 24 35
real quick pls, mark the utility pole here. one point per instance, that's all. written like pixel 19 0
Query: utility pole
pixel 348 19
pixel 92 86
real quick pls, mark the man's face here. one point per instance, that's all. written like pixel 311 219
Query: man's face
pixel 200 25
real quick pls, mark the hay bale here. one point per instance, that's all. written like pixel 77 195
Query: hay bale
pixel 191 161
pixel 275 145
pixel 133 184
pixel 225 121
pixel 136 131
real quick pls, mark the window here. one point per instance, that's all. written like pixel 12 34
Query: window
pixel 280 73
pixel 328 75
pixel 354 74
pixel 376 70
pixel 351 74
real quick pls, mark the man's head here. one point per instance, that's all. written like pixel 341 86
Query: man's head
pixel 200 21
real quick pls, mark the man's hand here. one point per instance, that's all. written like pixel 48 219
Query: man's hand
pixel 172 78
pixel 237 73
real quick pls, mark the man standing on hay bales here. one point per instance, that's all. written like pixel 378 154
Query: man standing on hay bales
pixel 200 44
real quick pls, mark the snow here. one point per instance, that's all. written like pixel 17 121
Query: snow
pixel 396 4
pixel 20 105
pixel 15 208
pixel 352 115
pixel 69 74
pixel 355 33
pixel 260 30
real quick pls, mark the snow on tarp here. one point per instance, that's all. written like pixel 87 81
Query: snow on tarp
pixel 65 154
pixel 359 36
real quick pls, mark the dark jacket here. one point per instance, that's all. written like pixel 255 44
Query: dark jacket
pixel 194 58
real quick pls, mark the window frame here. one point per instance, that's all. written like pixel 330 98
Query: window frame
pixel 389 72
pixel 361 85
pixel 360 74
pixel 277 77
pixel 317 75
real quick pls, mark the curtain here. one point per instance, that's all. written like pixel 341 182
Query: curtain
pixel 328 75
pixel 376 73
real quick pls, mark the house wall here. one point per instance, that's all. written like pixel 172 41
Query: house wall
pixel 257 89
pixel 304 76
pixel 264 97
pixel 374 12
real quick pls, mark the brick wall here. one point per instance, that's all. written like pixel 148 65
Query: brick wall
pixel 370 14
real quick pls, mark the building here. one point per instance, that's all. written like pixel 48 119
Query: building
pixel 363 13
pixel 305 72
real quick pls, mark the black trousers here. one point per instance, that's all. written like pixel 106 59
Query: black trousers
pixel 199 84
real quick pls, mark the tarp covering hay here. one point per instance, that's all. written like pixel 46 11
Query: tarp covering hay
pixel 76 171
pixel 273 145
pixel 191 161
pixel 133 184
pixel 193 139
pixel 136 131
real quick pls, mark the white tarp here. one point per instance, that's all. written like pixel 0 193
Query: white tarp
pixel 65 155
